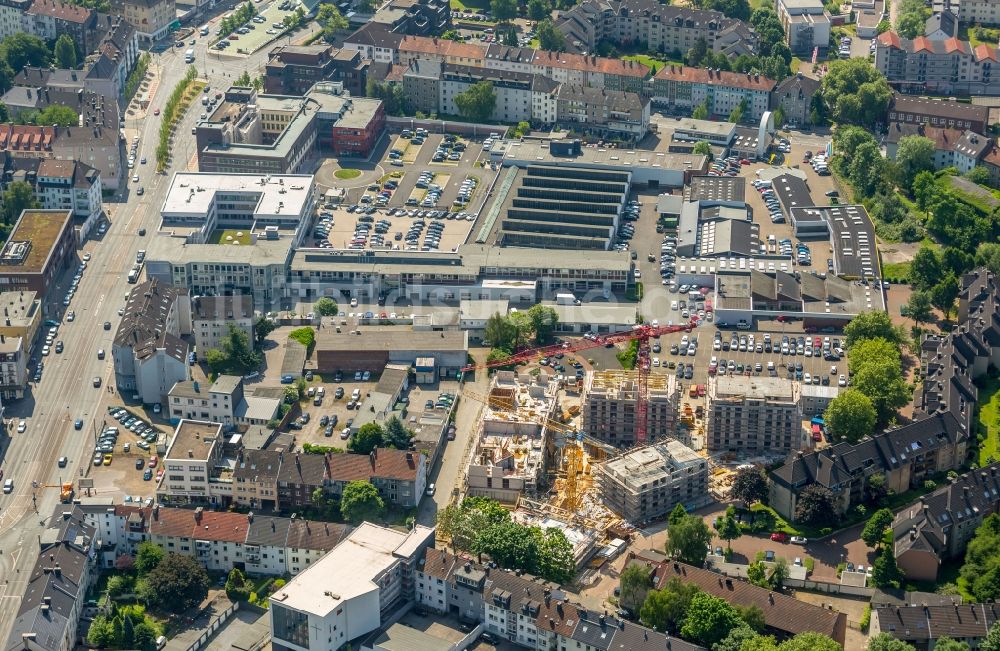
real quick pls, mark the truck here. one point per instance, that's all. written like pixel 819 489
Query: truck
pixel 565 299
pixel 204 30
pixel 189 55
pixel 66 492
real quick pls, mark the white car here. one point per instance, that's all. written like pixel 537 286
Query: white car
pixel 22 427
pixel 798 540
pixel 842 381
pixel 135 178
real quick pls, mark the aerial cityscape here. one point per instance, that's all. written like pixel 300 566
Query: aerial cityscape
pixel 597 325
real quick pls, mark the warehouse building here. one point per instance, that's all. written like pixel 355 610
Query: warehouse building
pixel 562 208
pixel 610 400
pixel 38 249
pixel 371 349
pixel 648 482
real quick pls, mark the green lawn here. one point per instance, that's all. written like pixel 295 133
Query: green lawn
pixel 223 237
pixel 347 173
pixel 897 270
pixel 470 5
pixel 649 61
pixel 989 418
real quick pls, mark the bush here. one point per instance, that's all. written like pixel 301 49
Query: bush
pixel 305 336
pixel 866 618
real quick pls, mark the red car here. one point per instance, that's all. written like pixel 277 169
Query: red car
pixel 779 536
pixel 156 111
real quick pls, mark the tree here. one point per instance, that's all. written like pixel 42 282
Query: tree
pixel 874 530
pixel 360 501
pixel 981 570
pixel 736 115
pixel 262 328
pixel 869 325
pixel 329 18
pixel 677 515
pixel 867 170
pixel 992 641
pixel 20 196
pixel 988 255
pixel 700 112
pixel 729 530
pixel 981 176
pixel 779 572
pixel 914 154
pixel 709 619
pixel 118 585
pixel 743 635
pixel 65 51
pixel 850 416
pixel 948 644
pixel 688 540
pixel 855 92
pixel 883 383
pixel 549 37
pixel 326 306
pixel 886 642
pixel 101 632
pixel 696 55
pixel 366 439
pixel 147 556
pixel 757 574
pixel 20 50
pixel 918 306
pixel 539 9
pixel 503 10
pixel 666 608
pixel 944 293
pixel 177 583
pixel 810 641
pixel 556 561
pixel 885 572
pixel 634 584
pixel 4 113
pixel 753 616
pixel 500 333
pixel 543 322
pixel 477 102
pixel 702 148
pixel 816 506
pixel 397 435
pixel 144 636
pixel 57 115
pixel 749 485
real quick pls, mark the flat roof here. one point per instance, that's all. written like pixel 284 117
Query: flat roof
pixel 348 570
pixel 538 152
pixel 596 313
pixel 177 250
pixel 755 388
pixel 400 637
pixel 718 188
pixel 482 309
pixel 278 194
pixel 391 338
pixel 193 439
pixel 704 126
pixel 19 306
pixel 33 239
pixel 642 465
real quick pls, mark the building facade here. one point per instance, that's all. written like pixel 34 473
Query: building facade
pixel 753 416
pixel 213 316
pixel 150 18
pixel 609 406
pixel 39 248
pixel 806 24
pixel 682 88
pixel 294 69
pixel 647 483
pixel 940 67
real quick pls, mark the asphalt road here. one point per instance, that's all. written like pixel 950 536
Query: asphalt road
pixel 66 390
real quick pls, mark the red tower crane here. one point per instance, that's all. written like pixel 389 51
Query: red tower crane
pixel 641 333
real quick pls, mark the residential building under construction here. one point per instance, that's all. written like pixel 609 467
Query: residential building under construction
pixel 648 482
pixel 609 407
pixel 509 455
pixel 753 415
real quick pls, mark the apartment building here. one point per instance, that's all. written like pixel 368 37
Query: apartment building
pixel 661 28
pixel 940 113
pixel 69 185
pixel 213 316
pixel 150 18
pixel 39 249
pixel 647 483
pixel 255 479
pixel 921 626
pixel 758 415
pixel 682 88
pixel 191 460
pixel 794 96
pixel 972 12
pixel 603 113
pixel 952 147
pixel 295 69
pixel 938 526
pixel 12 17
pixel 14 354
pixel 48 19
pixel 399 475
pixel 942 67
pixel 609 406
pixel 22 315
pixel 149 355
pixel 55 590
pixel 350 591
pixel 423 17
pixel 521 96
pixel 119 527
pixel 524 610
pixel 224 402
pixel 806 24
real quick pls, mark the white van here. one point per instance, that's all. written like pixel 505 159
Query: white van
pixel 8 486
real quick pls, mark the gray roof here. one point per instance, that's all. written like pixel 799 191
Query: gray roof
pixel 222 308
pixel 143 327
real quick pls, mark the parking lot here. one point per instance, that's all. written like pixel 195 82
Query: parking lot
pixel 257 34
pixel 125 443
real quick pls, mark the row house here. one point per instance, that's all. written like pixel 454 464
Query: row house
pixel 120 528
pixel 682 88
pixel 603 113
pixel 221 541
pixel 922 626
pixel 524 610
pixel 952 147
pixel 653 26
pixel 943 67
pixel 942 113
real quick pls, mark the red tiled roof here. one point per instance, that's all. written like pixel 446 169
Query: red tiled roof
pixel 396 464
pixel 350 467
pixel 715 77
pixel 443 47
pixel 221 526
pixel 984 51
pixel 922 43
pixel 176 523
pixel 953 45
pixel 993 156
pixel 19 137
pixel 889 39
pixel 585 63
pixel 438 563
pixel 61 10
